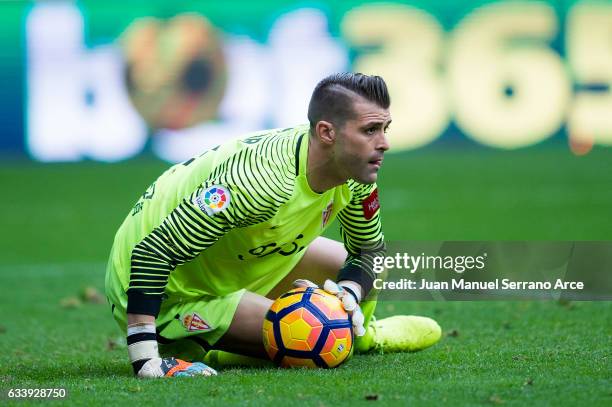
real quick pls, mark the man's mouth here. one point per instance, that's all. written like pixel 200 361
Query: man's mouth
pixel 377 162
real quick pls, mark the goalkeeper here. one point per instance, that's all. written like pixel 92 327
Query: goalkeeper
pixel 213 239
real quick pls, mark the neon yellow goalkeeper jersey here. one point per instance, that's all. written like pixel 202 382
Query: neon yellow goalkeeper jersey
pixel 238 216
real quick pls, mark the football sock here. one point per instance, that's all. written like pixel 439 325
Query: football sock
pixel 366 342
pixel 219 358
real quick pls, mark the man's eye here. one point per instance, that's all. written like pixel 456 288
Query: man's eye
pixel 371 131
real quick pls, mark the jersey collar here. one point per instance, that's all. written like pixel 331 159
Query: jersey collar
pixel 301 153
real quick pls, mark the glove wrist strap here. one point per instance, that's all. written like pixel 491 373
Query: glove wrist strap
pixel 351 292
pixel 142 344
pixel 352 288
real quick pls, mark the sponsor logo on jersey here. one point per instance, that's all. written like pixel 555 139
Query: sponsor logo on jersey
pixel 371 205
pixel 326 214
pixel 194 322
pixel 213 199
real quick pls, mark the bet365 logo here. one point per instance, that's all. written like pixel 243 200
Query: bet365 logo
pixel 286 249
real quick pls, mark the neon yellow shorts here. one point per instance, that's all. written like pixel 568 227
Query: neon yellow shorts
pixel 208 317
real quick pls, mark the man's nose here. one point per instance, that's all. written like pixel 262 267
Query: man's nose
pixel 383 143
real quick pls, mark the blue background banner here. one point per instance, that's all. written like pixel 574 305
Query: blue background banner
pixel 109 80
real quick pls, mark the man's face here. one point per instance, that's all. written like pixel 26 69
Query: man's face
pixel 362 142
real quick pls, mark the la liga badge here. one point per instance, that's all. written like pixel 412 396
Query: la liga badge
pixel 213 199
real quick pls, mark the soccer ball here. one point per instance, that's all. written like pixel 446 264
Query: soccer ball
pixel 307 327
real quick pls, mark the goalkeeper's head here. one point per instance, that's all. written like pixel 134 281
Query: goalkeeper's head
pixel 349 116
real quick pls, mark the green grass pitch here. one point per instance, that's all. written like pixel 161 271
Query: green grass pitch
pixel 58 222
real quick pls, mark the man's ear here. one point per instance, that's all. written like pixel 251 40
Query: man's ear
pixel 325 132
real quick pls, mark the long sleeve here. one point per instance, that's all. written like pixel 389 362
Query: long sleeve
pixel 361 231
pixel 243 191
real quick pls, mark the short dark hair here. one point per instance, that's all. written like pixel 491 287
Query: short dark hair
pixel 332 98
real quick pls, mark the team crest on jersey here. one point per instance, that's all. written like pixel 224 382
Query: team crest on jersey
pixel 213 199
pixel 371 205
pixel 326 214
pixel 194 322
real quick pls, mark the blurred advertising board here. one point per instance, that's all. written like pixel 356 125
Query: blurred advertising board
pixel 106 80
